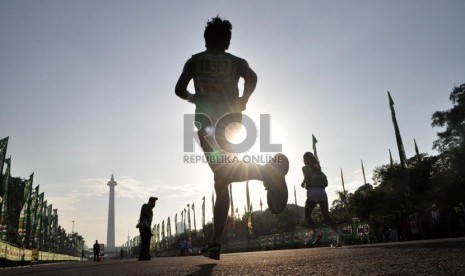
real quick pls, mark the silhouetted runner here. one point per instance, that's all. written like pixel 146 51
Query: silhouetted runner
pixel 145 228
pixel 216 75
pixel 96 249
pixel 315 182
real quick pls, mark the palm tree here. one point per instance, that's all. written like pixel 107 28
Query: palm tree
pixel 341 202
pixel 339 207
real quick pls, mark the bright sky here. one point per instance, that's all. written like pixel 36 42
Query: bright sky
pixel 87 90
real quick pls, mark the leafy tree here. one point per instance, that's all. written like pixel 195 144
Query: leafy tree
pixel 425 189
pixel 339 209
pixel 362 201
pixel 267 223
pixel 391 190
pixel 451 142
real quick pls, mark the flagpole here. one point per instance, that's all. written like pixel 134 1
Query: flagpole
pixel 295 196
pixel 213 205
pixel 400 147
pixel 314 141
pixel 390 159
pixel 343 185
pixel 176 224
pixel 3 148
pixel 232 202
pixel 189 219
pixel 417 151
pixel 195 224
pixel 203 212
pixel 247 196
pixel 4 218
pixel 363 172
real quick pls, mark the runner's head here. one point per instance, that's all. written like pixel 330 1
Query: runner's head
pixel 310 160
pixel 217 34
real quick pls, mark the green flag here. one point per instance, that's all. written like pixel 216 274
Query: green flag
pixel 39 237
pixel 183 228
pixel 295 196
pixel 55 231
pixel 4 221
pixel 417 151
pixel 176 224
pixel 403 158
pixel 314 147
pixel 193 212
pixel 342 181
pixel 48 230
pixel 38 221
pixel 158 233
pixel 3 146
pixel 203 212
pixel 363 172
pixel 213 203
pixel 189 218
pixel 23 217
pixel 249 221
pixel 247 196
pixel 33 210
pixel 231 200
pixel 163 230
pixel 400 145
pixel 390 159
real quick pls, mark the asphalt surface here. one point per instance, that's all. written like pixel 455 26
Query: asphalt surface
pixel 432 257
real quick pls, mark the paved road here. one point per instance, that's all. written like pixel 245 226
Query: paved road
pixel 435 257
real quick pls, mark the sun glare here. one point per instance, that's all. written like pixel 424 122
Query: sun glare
pixel 236 133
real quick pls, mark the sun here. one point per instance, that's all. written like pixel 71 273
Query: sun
pixel 235 133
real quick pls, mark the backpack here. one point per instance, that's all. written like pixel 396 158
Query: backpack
pixel 318 179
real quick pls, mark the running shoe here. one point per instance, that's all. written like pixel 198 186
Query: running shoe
pixel 212 250
pixel 275 183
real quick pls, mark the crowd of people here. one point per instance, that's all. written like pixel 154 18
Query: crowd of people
pixel 185 247
pixel 431 223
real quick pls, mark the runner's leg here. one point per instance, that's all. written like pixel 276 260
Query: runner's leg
pixel 325 214
pixel 309 206
pixel 220 210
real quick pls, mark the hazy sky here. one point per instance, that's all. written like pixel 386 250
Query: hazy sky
pixel 87 90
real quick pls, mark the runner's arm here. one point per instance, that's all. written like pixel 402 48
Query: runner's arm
pixel 250 82
pixel 306 180
pixel 183 82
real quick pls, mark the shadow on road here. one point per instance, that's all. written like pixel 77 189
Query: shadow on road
pixel 205 269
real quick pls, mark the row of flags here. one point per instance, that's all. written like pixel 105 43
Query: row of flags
pixel 162 231
pixel 38 221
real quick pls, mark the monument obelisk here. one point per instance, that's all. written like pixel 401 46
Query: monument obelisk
pixel 110 247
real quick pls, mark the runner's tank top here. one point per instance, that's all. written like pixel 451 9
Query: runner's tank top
pixel 216 76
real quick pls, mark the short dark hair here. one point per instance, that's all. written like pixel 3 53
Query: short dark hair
pixel 217 34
